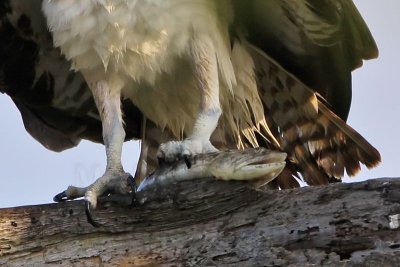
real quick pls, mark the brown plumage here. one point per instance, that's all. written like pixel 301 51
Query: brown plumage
pixel 295 56
pixel 302 86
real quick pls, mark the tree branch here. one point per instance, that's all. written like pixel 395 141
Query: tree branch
pixel 208 222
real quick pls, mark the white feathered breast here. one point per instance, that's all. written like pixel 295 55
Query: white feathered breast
pixel 142 47
pixel 135 38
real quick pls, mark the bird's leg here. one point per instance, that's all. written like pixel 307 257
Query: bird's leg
pixel 114 180
pixel 206 72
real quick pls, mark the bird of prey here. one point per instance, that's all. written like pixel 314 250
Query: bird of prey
pixel 189 77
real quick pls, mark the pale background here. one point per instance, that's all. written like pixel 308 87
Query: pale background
pixel 30 174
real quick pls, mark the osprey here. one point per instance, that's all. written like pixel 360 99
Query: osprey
pixel 189 77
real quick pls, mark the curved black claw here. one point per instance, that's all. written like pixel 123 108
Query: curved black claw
pixel 187 160
pixel 161 161
pixel 60 197
pixel 132 183
pixel 89 215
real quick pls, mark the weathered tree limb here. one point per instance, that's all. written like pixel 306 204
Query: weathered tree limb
pixel 215 223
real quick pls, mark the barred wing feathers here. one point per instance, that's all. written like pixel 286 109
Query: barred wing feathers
pixel 317 141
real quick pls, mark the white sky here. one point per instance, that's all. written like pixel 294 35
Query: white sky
pixel 30 174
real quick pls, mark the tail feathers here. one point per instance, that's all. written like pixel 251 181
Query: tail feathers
pixel 307 166
pixel 318 142
pixel 346 146
pixel 287 178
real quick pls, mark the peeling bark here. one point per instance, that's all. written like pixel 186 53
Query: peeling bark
pixel 213 223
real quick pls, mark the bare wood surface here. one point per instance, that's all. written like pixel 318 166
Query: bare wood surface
pixel 214 223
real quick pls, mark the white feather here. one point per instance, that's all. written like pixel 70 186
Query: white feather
pixel 143 49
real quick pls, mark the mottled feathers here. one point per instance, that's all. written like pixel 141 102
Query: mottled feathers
pixel 285 65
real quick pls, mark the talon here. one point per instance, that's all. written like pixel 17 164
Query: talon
pixel 89 215
pixel 132 183
pixel 61 197
pixel 161 161
pixel 187 161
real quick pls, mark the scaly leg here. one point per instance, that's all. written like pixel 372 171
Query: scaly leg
pixel 115 179
pixel 206 73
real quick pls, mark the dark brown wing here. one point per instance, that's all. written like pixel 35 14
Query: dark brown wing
pixel 319 41
pixel 56 106
pixel 304 53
